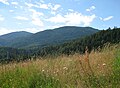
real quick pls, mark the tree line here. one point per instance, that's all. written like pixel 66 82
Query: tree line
pixel 94 41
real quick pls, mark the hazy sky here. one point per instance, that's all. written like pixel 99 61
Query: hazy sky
pixel 38 15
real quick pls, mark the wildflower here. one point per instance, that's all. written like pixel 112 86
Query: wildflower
pixel 43 70
pixel 104 64
pixel 65 68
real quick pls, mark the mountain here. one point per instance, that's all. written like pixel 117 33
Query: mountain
pixel 3 42
pixel 15 35
pixel 94 41
pixel 7 39
pixel 55 36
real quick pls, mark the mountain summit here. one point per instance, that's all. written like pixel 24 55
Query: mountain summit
pixel 52 36
pixel 14 35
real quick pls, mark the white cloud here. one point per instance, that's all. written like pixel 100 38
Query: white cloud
pixel 107 18
pixel 57 19
pixel 2 18
pixel 100 18
pixel 35 13
pixel 49 6
pixel 14 3
pixel 78 18
pixel 44 6
pixel 36 18
pixel 38 5
pixel 31 5
pixel 21 18
pixel 37 22
pixel 33 30
pixel 55 7
pixel 53 12
pixel 73 18
pixel 91 8
pixel 5 31
pixel 71 10
pixel 11 11
pixel 4 2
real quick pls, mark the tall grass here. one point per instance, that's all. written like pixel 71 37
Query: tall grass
pixel 98 69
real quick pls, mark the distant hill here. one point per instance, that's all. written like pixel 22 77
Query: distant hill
pixel 78 45
pixel 55 36
pixel 94 41
pixel 3 42
pixel 15 35
pixel 7 39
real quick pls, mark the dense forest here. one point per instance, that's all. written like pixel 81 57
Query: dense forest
pixel 97 40
pixel 10 54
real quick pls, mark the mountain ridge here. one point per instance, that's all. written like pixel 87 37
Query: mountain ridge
pixel 16 34
pixel 50 36
pixel 93 42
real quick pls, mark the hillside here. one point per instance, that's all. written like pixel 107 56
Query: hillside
pixel 7 39
pixel 100 70
pixel 3 42
pixel 78 45
pixel 15 35
pixel 52 36
pixel 94 41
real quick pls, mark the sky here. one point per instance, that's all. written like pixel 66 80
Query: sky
pixel 38 15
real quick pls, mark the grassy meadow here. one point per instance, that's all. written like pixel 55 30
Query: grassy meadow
pixel 98 69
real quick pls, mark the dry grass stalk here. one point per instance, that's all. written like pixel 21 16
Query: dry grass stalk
pixel 87 69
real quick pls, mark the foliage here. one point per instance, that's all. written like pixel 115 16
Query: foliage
pixel 98 69
pixel 93 42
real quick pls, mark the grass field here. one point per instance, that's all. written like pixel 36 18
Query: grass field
pixel 99 69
